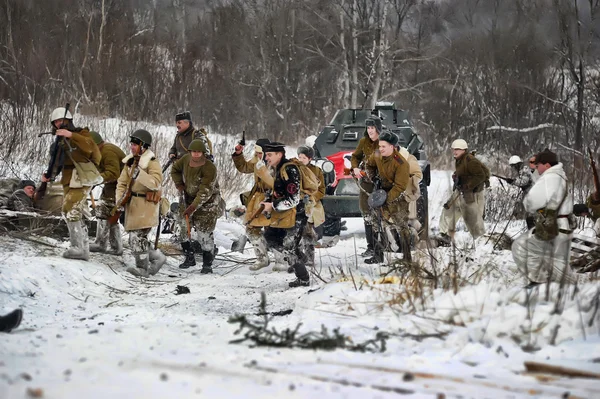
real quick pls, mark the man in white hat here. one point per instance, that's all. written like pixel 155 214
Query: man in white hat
pixel 468 199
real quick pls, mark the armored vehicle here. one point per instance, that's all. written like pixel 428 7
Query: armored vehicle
pixel 336 142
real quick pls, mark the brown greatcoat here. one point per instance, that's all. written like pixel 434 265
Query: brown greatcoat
pixel 471 173
pixel 263 181
pixel 84 150
pixel 394 173
pixel 365 148
pixel 110 169
pixel 140 213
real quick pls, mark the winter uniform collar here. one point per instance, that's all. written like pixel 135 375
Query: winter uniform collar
pixel 144 159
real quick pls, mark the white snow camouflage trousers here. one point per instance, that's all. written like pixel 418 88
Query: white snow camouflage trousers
pixel 472 214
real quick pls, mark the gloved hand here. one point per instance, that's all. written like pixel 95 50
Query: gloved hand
pixel 260 164
pixel 446 205
pixel 180 188
pixel 189 211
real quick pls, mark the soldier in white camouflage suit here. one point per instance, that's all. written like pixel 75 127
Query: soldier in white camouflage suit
pixel 523 178
pixel 195 177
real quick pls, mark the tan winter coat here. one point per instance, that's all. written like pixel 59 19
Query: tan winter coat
pixel 139 213
pixel 263 181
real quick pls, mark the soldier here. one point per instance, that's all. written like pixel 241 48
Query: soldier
pixel 468 198
pixel 196 180
pixel 365 148
pixel 22 199
pixel 413 192
pixel 79 147
pixel 314 210
pixel 141 175
pixel 263 186
pixel 543 252
pixel 287 212
pixel 593 203
pixel 110 169
pixel 393 173
pixel 186 132
pixel 523 178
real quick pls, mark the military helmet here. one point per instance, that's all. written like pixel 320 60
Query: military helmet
pixel 197 145
pixel 459 144
pixel 96 137
pixel 60 113
pixel 515 159
pixel 143 136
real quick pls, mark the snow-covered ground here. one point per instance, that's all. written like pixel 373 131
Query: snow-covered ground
pixel 91 330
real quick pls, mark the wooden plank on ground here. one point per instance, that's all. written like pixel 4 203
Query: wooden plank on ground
pixel 563 370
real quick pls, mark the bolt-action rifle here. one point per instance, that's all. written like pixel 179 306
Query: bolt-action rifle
pixel 56 159
pixel 596 194
pixel 506 179
pixel 119 207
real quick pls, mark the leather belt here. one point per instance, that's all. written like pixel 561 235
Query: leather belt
pixel 138 195
pixel 565 231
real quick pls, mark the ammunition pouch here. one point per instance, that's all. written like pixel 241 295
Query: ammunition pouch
pixel 153 196
pixel 546 224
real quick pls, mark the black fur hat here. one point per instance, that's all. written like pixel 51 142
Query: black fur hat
pixel 274 146
pixel 389 137
pixel 183 116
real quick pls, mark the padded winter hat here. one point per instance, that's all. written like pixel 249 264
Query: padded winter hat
pixel 96 137
pixel 274 146
pixel 545 157
pixel 183 116
pixel 25 183
pixel 389 137
pixel 197 145
pixel 374 121
pixel 306 150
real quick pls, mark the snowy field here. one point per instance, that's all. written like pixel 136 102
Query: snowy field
pixel 91 330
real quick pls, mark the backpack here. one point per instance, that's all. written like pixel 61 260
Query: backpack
pixel 309 183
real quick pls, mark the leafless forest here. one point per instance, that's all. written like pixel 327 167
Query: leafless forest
pixel 510 76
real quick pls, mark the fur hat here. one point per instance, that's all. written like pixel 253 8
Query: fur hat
pixel 25 183
pixel 374 121
pixel 306 150
pixel 274 146
pixel 261 143
pixel 389 137
pixel 183 116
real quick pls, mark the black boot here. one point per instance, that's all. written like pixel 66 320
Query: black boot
pixel 369 235
pixel 190 259
pixel 207 261
pixel 378 251
pixel 11 320
pixel 299 283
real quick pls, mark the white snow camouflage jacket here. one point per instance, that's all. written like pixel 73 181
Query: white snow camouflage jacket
pixel 548 192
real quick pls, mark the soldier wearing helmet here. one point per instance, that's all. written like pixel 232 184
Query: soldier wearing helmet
pixel 522 179
pixel 110 169
pixel 142 173
pixel 468 199
pixel 195 177
pixel 76 146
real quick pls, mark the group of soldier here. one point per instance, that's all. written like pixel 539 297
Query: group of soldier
pixel 283 208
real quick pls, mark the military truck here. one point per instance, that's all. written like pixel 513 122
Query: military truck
pixel 336 142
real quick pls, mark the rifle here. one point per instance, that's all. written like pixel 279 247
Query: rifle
pixel 506 179
pixel 156 238
pixel 242 142
pixel 50 172
pixel 119 207
pixel 45 133
pixel 453 197
pixel 596 194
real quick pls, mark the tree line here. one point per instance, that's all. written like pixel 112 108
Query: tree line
pixel 509 76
